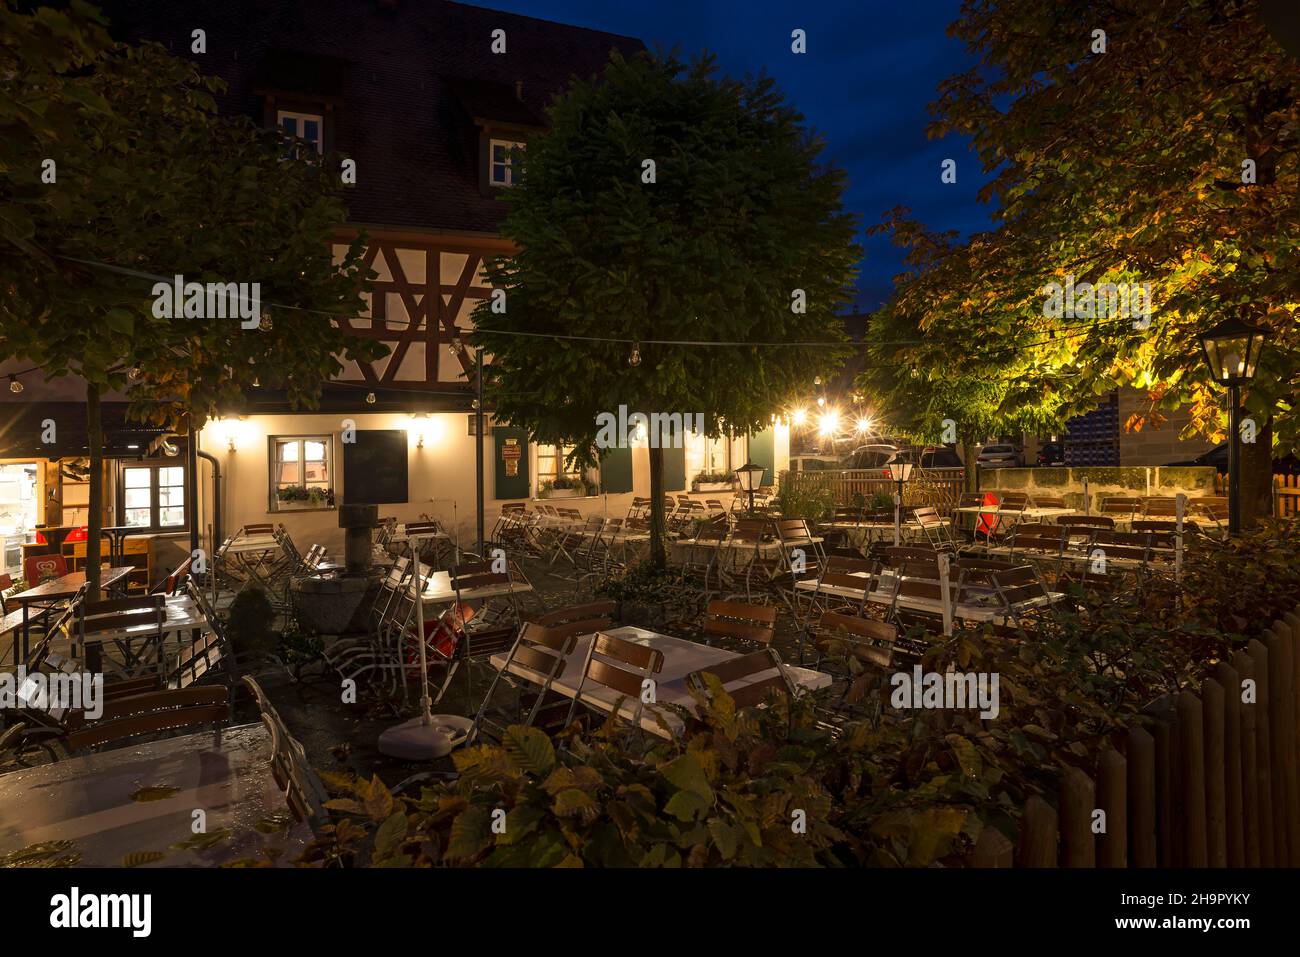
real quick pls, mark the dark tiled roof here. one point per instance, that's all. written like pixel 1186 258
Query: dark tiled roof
pixel 410 75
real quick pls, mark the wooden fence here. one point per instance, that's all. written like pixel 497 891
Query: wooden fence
pixel 940 488
pixel 1213 783
pixel 1286 494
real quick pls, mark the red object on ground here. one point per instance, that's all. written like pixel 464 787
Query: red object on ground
pixel 443 633
pixel 988 520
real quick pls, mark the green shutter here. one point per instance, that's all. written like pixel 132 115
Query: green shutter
pixel 675 469
pixel 762 451
pixel 508 445
pixel 616 471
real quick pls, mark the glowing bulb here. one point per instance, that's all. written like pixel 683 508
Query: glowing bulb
pixel 829 422
pixel 864 425
pixel 370 398
pixel 635 358
pixel 799 417
pixel 821 400
pixel 14 385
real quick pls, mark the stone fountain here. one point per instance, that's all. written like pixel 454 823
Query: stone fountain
pixel 334 602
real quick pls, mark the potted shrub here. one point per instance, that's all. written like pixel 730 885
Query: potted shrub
pixel 646 595
pixel 562 487
pixel 712 482
pixel 296 497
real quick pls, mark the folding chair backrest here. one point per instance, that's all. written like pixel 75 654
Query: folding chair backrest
pixel 1160 505
pixel 583 612
pixel 750 530
pixel 544 649
pixel 1049 501
pixel 848 565
pixel 262 528
pixel 734 619
pixel 713 530
pixel 1086 521
pixel 1018 584
pixel 177 578
pixel 740 679
pixel 1120 506
pixel 115 614
pixel 621 666
pixel 870 640
pixel 896 554
pixel 926 515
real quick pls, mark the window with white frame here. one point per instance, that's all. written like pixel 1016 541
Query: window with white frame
pixel 153 496
pixel 302 470
pixel 551 463
pixel 303 126
pixel 707 456
pixel 500 162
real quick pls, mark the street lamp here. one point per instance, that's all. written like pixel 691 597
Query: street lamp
pixel 900 472
pixel 750 477
pixel 1232 351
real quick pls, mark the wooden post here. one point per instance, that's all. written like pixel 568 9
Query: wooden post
pixel 1230 684
pixel 1038 834
pixel 1245 668
pixel 1263 756
pixel 1215 770
pixel 1141 761
pixel 1168 847
pixel 1191 744
pixel 1282 722
pixel 1078 800
pixel 992 849
pixel 1112 791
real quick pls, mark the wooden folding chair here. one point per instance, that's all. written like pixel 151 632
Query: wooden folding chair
pixel 868 640
pixel 741 621
pixel 748 680
pixel 621 666
pixel 543 651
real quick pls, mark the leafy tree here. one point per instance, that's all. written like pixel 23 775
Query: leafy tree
pixel 150 181
pixel 1163 151
pixel 738 226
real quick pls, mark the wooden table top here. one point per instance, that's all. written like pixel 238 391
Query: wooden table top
pixel 67 585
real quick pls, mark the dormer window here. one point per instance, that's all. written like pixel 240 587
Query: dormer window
pixel 308 127
pixel 500 168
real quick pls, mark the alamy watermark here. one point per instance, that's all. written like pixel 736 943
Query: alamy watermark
pixel 954 690
pixel 179 299
pixel 1124 300
pixel 52 692
pixel 664 430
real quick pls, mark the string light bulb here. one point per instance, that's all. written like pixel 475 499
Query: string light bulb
pixel 370 398
pixel 635 358
pixel 14 385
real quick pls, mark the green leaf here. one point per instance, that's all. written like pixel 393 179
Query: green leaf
pixel 529 748
pixel 391 833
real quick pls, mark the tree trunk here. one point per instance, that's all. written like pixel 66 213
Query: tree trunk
pixel 658 551
pixel 95 514
pixel 968 459
pixel 1257 476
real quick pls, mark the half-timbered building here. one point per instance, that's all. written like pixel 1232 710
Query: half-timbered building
pixel 418 95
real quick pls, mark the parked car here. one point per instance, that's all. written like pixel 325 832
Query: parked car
pixel 871 456
pixel 1218 457
pixel 1000 457
pixel 928 457
pixel 815 462
pixel 1052 453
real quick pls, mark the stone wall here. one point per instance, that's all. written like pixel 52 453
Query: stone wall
pixel 1126 480
pixel 1155 446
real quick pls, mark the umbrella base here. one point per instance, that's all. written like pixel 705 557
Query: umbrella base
pixel 416 741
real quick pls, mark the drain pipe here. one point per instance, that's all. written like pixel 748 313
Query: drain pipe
pixel 216 497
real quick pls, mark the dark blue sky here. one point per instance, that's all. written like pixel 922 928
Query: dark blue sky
pixel 871 69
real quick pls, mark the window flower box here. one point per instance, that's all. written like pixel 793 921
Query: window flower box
pixel 296 498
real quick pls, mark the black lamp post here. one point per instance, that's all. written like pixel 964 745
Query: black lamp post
pixel 750 476
pixel 1232 351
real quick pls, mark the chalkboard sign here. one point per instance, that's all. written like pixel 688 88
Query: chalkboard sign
pixel 374 467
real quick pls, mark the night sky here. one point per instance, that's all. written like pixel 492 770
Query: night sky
pixel 871 69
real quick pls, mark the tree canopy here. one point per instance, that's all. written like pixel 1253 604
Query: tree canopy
pixel 666 203
pixel 1152 142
